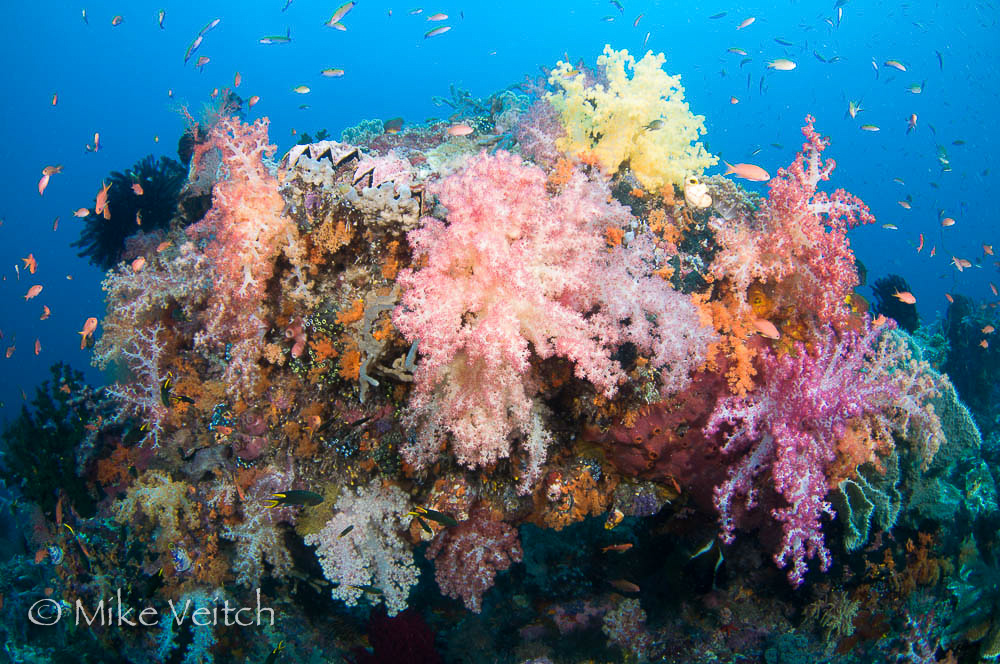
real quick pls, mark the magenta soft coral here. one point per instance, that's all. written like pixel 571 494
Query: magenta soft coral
pixel 792 425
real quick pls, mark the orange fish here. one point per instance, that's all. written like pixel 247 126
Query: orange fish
pixel 163 246
pixel 38 347
pixel 137 188
pixel 993 287
pixel 45 313
pixel 617 547
pixel 237 80
pixel 33 291
pixel 933 251
pixel 215 93
pixel 988 329
pixel 42 184
pixel 947 221
pixel 117 20
pixel 747 172
pixel 905 205
pixel 55 224
pixel 948 297
pixel 101 206
pixel 460 130
pixel 906 297
pixel 10 350
pixel 879 321
pixel 734 100
pixel 97 141
pixel 624 586
pixel 984 343
pixel 138 263
pixel 41 554
pixel 987 249
pixel 252 101
pixel 52 170
pixel 55 98
pixel 88 329
pixel 30 263
pixel 960 263
pixel 766 328
pixel 920 245
pixel 745 22
pixel 81 213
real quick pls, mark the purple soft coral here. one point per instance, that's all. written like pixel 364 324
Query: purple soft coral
pixel 792 425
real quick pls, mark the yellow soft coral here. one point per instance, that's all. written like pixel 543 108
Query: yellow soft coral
pixel 642 119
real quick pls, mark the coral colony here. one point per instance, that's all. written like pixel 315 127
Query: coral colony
pixel 532 347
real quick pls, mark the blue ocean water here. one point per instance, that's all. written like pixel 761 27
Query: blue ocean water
pixel 127 81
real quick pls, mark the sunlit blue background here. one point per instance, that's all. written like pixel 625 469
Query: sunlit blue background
pixel 115 80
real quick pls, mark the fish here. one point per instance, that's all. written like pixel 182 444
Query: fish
pixel 911 123
pixel 433 515
pixel 920 245
pixel 137 189
pixel 288 3
pixel 55 98
pixel 766 328
pixel 393 126
pixel 737 51
pixel 42 184
pixel 891 227
pixel 933 251
pixel 746 22
pixel 625 586
pixel 162 14
pixel 879 321
pixel 783 42
pixel 460 130
pixel 332 73
pixel 615 517
pixel 84 12
pixel 853 108
pixel 960 263
pixel 819 57
pixel 10 351
pixel 302 89
pixel 438 17
pixel 81 213
pixel 202 61
pixel 989 329
pixel 984 343
pixel 870 127
pixel 345 531
pixel 192 47
pixel 916 88
pixel 940 60
pixel 340 13
pixel 138 263
pixel 987 249
pixel 906 297
pixel 45 313
pixel 948 297
pixel 437 31
pixel 38 347
pixel 295 497
pixel 734 100
pixel 52 170
pixel 273 656
pixel 237 79
pixel 781 64
pixel 277 39
pixel 208 26
pixel 253 101
pixel 635 23
pixel 654 125
pixel 895 64
pixel 30 263
pixel 117 19
pixel 101 204
pixel 89 326
pixel 618 548
pixel 33 292
pixel 747 172
pixel 947 221
pixel 703 550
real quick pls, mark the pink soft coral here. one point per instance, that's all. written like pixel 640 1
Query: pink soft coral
pixel 800 233
pixel 245 229
pixel 515 271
